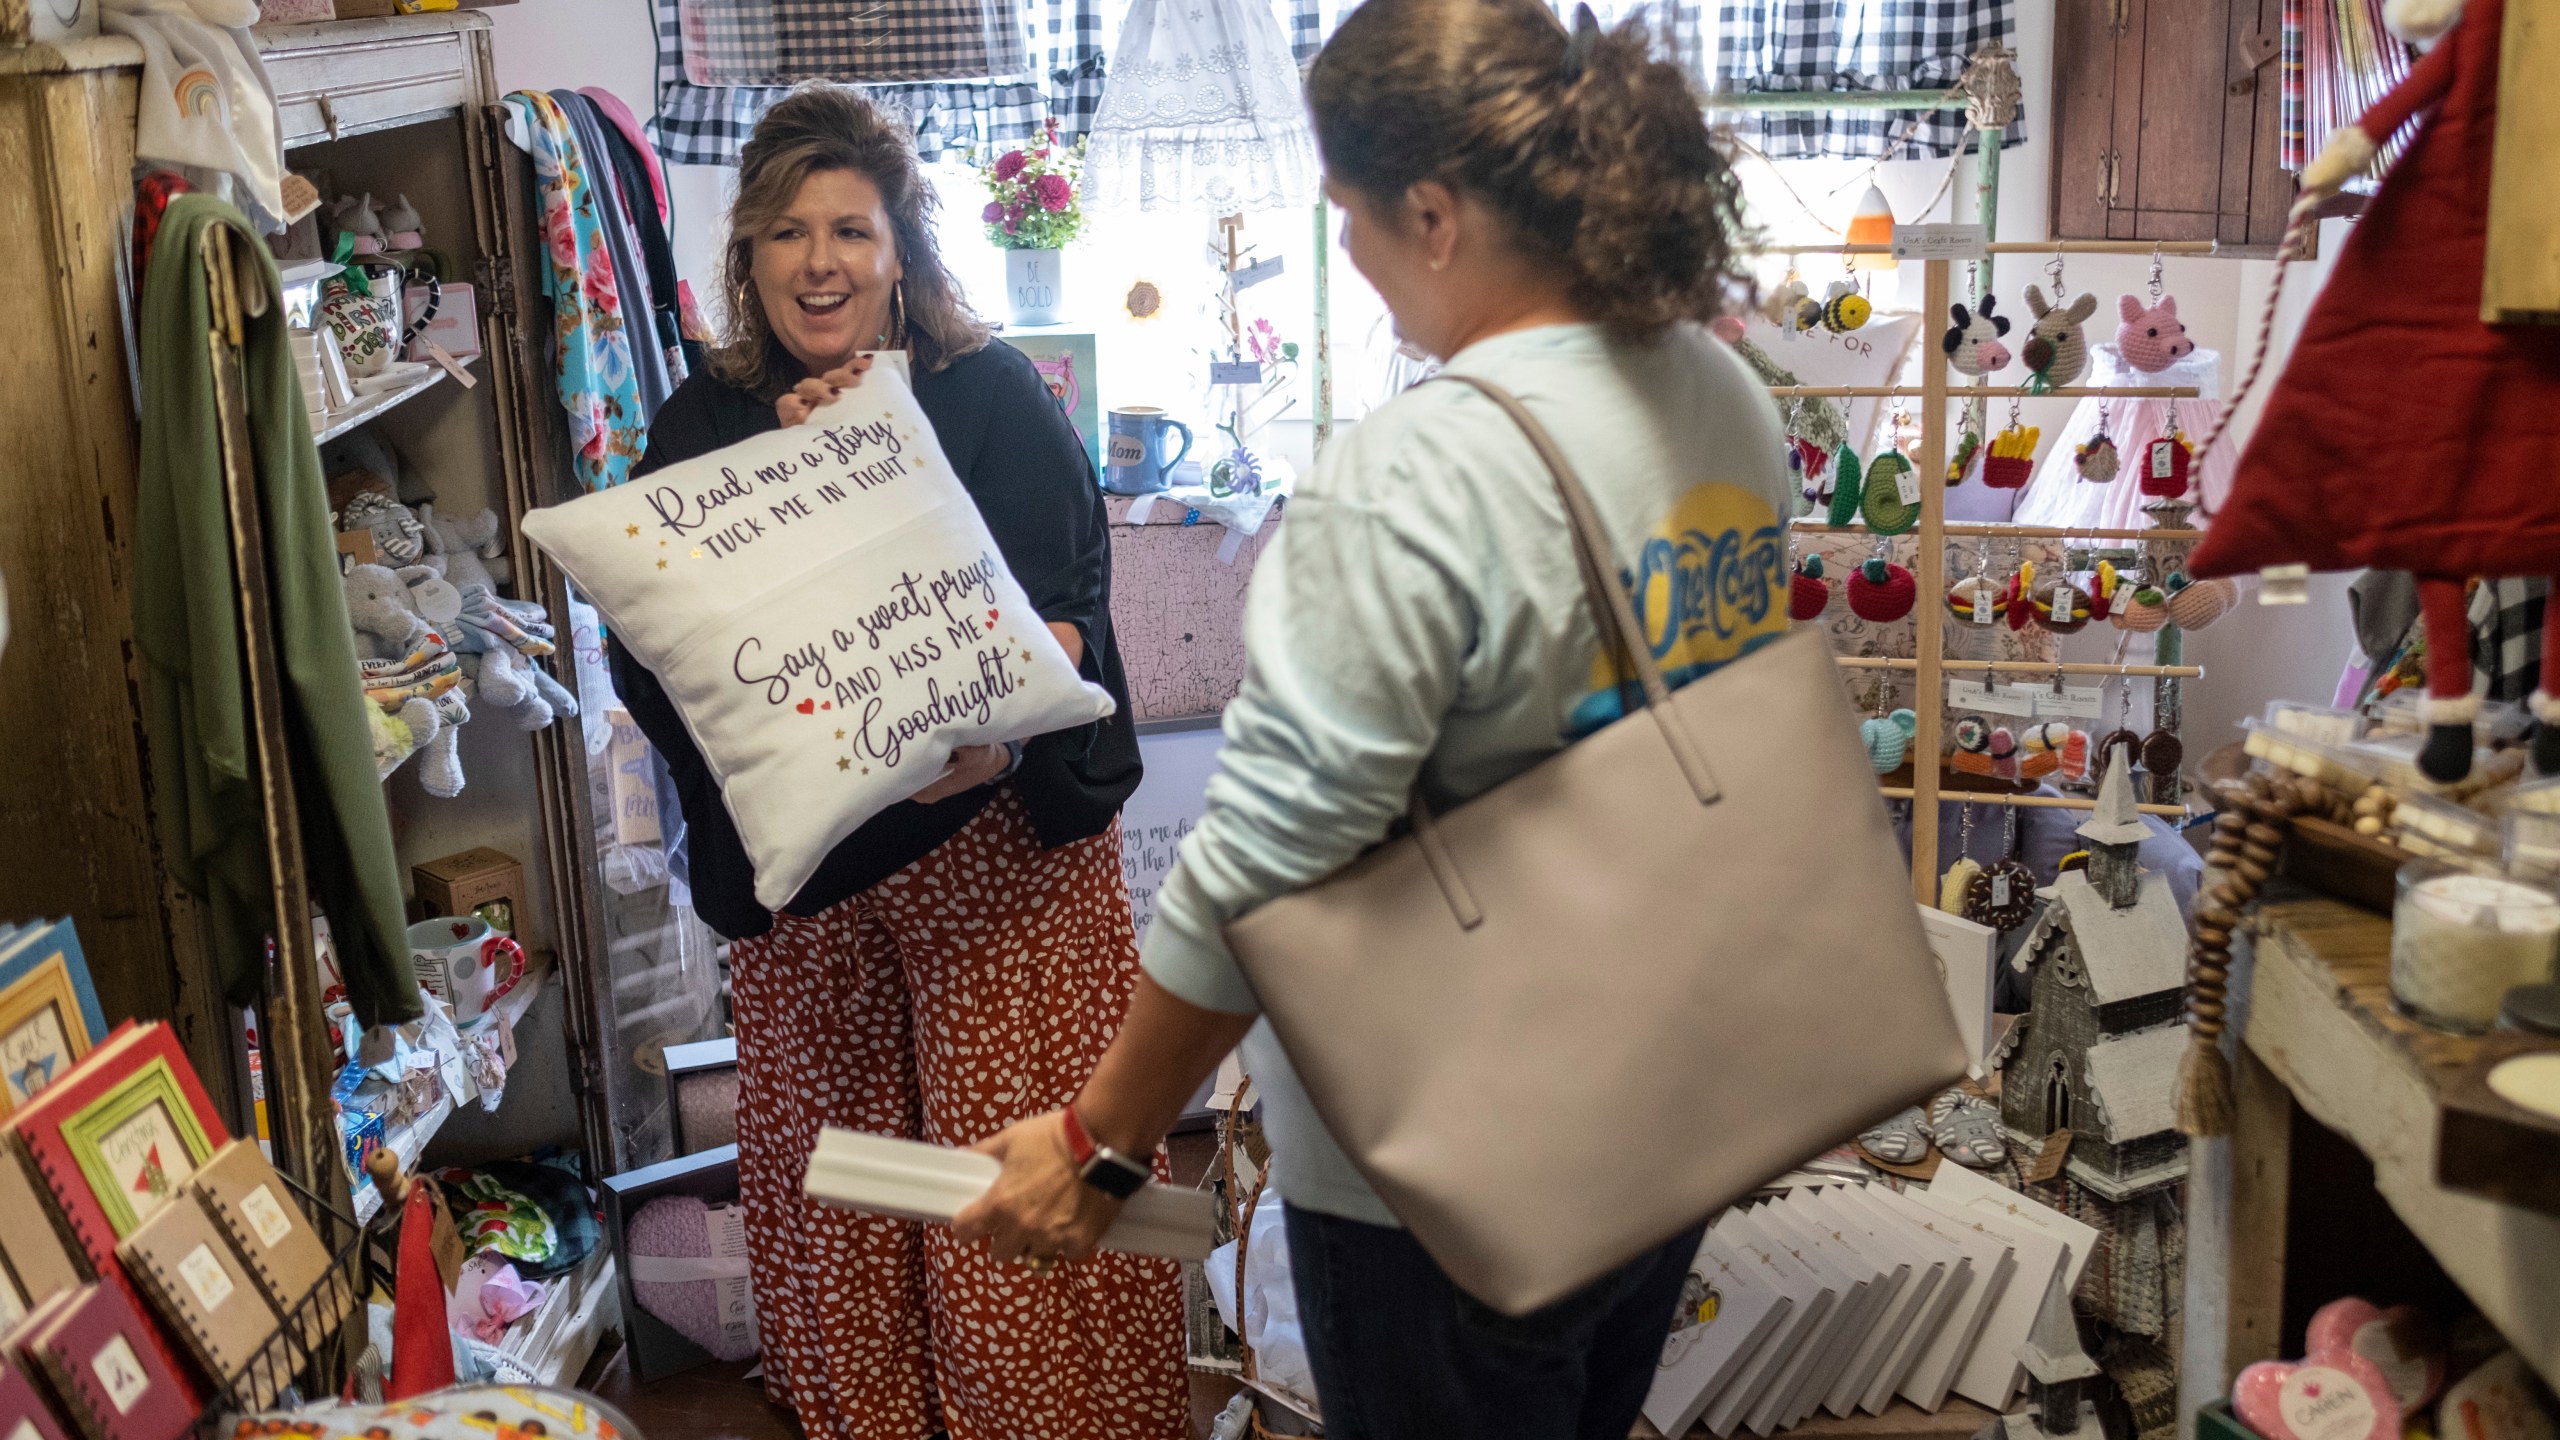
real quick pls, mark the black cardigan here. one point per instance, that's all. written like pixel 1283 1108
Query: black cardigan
pixel 1022 463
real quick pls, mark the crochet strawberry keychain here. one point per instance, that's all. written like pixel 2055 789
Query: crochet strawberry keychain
pixel 1808 593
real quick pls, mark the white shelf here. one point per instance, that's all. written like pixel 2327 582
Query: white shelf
pixel 372 407
pixel 552 1345
pixel 410 1141
pixel 305 272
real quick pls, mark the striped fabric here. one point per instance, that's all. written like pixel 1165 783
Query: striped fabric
pixel 1857 45
pixel 703 120
pixel 2290 152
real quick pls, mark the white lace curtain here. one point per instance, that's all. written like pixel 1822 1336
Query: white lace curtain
pixel 1202 113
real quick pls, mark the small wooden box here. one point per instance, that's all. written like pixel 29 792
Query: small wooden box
pixel 482 881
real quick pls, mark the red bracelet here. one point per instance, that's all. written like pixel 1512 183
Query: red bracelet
pixel 1080 1146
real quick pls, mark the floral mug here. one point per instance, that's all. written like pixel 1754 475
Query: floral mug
pixel 367 326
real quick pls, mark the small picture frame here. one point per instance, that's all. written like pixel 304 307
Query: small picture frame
pixel 49 1012
pixel 702 1095
pixel 664 1294
pixel 137 1144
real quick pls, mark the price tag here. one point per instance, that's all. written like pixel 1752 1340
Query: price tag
pixel 1984 603
pixel 1906 483
pixel 2048 1161
pixel 2077 702
pixel 1257 272
pixel 452 367
pixel 1940 242
pixel 2163 458
pixel 1235 372
pixel 2000 891
pixel 2284 585
pixel 1987 698
pixel 736 1293
pixel 2064 603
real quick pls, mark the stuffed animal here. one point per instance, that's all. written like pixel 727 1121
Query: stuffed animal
pixel 2057 351
pixel 1783 304
pixel 2151 340
pixel 1843 308
pixel 398 538
pixel 497 640
pixel 2395 360
pixel 1808 593
pixel 1973 345
pixel 409 672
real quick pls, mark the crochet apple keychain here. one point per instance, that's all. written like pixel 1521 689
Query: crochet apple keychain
pixel 1808 594
pixel 1882 592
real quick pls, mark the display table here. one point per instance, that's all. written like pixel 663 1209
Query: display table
pixel 1177 598
pixel 2312 998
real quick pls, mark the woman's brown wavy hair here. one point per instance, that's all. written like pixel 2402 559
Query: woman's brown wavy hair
pixel 829 127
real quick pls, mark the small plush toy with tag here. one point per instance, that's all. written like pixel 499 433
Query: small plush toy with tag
pixel 2165 462
pixel 1891 496
pixel 2057 350
pixel 2151 338
pixel 2062 608
pixel 2013 457
pixel 1808 594
pixel 1977 600
pixel 2096 459
pixel 1973 343
pixel 1882 592
pixel 1848 487
pixel 1783 302
pixel 1888 739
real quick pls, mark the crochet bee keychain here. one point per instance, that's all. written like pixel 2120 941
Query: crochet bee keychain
pixel 2013 454
pixel 2096 457
pixel 2166 459
pixel 2004 894
pixel 1954 885
pixel 1843 308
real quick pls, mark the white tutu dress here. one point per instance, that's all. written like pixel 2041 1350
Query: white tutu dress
pixel 1202 114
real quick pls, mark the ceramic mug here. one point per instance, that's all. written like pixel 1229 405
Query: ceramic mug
pixel 367 326
pixel 463 962
pixel 1134 461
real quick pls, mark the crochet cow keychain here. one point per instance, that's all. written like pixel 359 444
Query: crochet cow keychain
pixel 2395 359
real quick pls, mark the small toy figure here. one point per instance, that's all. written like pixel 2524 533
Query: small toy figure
pixel 1973 346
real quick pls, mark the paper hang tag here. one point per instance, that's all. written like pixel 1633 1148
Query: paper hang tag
pixel 1941 242
pixel 2284 585
pixel 1906 483
pixel 1999 892
pixel 266 1215
pixel 1259 271
pixel 2048 1161
pixel 2077 702
pixel 205 1277
pixel 2163 458
pixel 1983 613
pixel 2064 603
pixel 452 367
pixel 1988 698
pixel 1235 372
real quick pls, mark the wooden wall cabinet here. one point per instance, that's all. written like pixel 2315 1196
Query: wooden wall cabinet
pixel 2165 122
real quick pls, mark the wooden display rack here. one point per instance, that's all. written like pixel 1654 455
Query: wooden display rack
pixel 1929 567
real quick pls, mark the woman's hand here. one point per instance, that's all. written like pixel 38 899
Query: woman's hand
pixel 971 766
pixel 1039 1208
pixel 805 398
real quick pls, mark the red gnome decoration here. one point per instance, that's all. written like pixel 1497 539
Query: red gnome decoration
pixel 2406 433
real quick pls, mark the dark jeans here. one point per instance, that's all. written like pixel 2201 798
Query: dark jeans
pixel 1400 1353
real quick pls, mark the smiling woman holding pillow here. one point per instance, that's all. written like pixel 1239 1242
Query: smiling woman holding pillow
pixel 959 962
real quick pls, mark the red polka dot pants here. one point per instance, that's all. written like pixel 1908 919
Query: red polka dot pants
pixel 975 988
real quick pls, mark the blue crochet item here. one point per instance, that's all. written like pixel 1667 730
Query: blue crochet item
pixel 1888 738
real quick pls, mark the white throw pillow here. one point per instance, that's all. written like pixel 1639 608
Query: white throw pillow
pixel 826 609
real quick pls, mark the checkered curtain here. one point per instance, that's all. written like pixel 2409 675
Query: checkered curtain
pixel 1679 27
pixel 703 120
pixel 1856 45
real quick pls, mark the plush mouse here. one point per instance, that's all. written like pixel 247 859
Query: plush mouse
pixel 1973 345
pixel 2057 351
pixel 2151 339
pixel 497 640
pixel 2406 433
pixel 409 672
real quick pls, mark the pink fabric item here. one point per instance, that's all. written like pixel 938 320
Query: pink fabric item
pixel 620 117
pixel 679 1226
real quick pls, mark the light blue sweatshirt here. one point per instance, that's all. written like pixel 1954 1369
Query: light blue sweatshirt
pixel 1420 613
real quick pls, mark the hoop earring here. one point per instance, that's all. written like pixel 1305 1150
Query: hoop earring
pixel 898 315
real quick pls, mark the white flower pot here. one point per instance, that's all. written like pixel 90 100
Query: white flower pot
pixel 1035 289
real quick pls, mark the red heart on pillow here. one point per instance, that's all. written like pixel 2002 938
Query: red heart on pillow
pixel 2402 1342
pixel 991 617
pixel 807 707
pixel 2333 1395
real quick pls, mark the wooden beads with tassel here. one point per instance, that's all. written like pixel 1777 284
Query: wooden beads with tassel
pixel 2248 838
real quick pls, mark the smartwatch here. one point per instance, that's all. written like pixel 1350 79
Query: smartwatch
pixel 1102 1167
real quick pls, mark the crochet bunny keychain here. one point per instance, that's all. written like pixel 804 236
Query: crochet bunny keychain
pixel 2057 350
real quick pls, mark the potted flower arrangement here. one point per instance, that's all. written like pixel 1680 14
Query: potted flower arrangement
pixel 1032 211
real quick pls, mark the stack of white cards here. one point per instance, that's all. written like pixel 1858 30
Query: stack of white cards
pixel 1841 1297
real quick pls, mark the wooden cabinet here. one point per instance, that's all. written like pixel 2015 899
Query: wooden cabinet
pixel 2165 122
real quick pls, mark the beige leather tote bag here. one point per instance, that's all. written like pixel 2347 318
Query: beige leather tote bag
pixel 1587 1009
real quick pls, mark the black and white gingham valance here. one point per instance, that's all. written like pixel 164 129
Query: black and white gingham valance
pixel 1856 45
pixel 704 116
pixel 1678 27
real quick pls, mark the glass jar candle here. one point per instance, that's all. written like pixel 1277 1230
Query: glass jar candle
pixel 2462 935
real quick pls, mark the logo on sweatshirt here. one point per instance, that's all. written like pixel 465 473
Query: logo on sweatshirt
pixel 1709 586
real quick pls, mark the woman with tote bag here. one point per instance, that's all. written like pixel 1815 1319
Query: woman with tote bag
pixel 1543 600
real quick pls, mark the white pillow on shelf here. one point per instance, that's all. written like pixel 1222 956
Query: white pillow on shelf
pixel 829 614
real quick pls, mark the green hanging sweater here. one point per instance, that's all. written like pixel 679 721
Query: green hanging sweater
pixel 186 622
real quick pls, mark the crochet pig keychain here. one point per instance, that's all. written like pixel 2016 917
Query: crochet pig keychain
pixel 2150 337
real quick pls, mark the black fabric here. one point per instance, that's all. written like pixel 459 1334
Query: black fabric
pixel 639 197
pixel 1022 463
pixel 1401 1353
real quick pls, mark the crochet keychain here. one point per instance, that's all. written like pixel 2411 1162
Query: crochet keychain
pixel 1843 308
pixel 2057 350
pixel 2044 744
pixel 1881 592
pixel 1848 486
pixel 1888 736
pixel 2020 594
pixel 1977 598
pixel 2062 607
pixel 2095 458
pixel 1785 302
pixel 2004 894
pixel 2166 459
pixel 2013 454
pixel 1972 737
pixel 1808 593
pixel 1973 343
pixel 1968 445
pixel 1891 496
pixel 2150 337
pixel 1958 881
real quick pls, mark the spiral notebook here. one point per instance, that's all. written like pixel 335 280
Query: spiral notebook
pixel 25 1413
pixel 32 1235
pixel 272 1240
pixel 184 1266
pixel 106 1367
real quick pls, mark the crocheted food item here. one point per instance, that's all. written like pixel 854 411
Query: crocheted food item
pixel 1845 488
pixel 2147 609
pixel 1977 600
pixel 2012 459
pixel 2096 459
pixel 2165 462
pixel 1808 594
pixel 2194 605
pixel 2163 753
pixel 1888 512
pixel 2062 609
pixel 1882 592
pixel 2002 896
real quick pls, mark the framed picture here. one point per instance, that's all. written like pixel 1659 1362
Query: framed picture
pixel 1067 365
pixel 137 1144
pixel 49 1012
